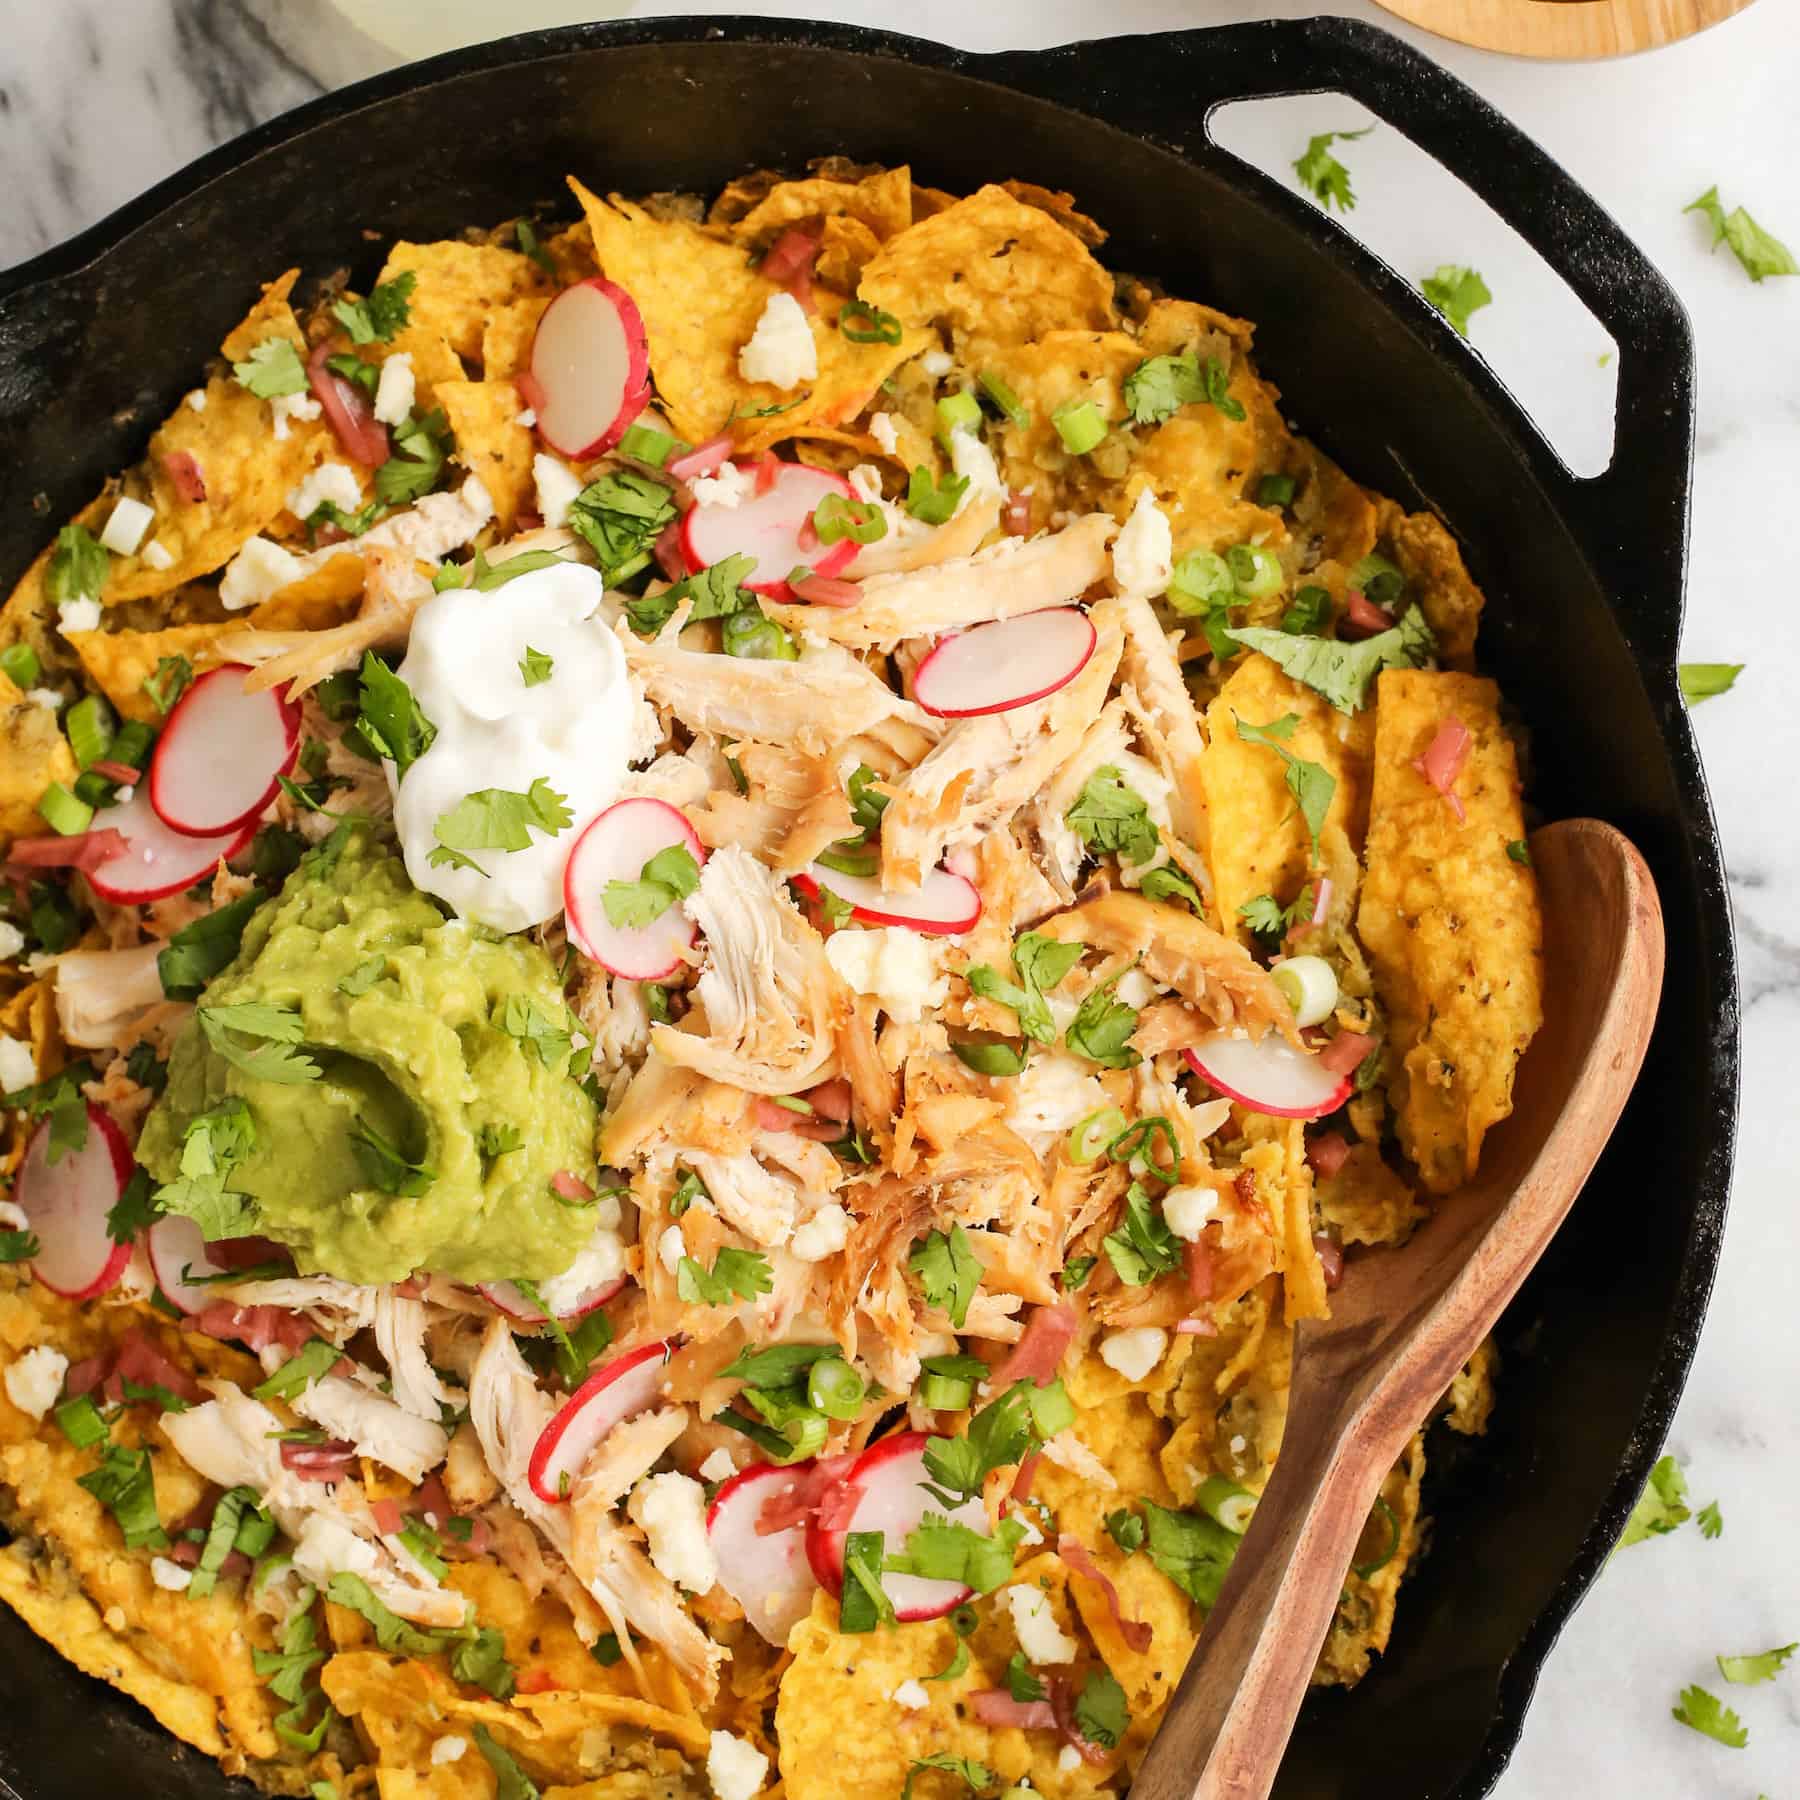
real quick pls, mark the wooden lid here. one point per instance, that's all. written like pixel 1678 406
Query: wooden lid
pixel 1565 29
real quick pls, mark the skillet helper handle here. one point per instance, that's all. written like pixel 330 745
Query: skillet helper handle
pixel 1632 517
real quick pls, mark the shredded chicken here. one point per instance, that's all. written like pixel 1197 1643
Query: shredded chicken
pixel 758 1202
pixel 794 808
pixel 400 1325
pixel 103 995
pixel 622 1459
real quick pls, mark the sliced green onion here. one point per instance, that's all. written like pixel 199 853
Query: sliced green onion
pixel 958 412
pixel 837 517
pixel 1004 398
pixel 1225 1503
pixel 1137 1147
pixel 1089 1139
pixel 81 1422
pixel 844 858
pixel 946 1393
pixel 1375 1565
pixel 649 445
pixel 19 664
pixel 806 1434
pixel 1199 582
pixel 1378 579
pixel 1308 613
pixel 63 812
pixel 753 634
pixel 792 1103
pixel 1275 490
pixel 1309 986
pixel 1079 424
pixel 834 1388
pixel 1256 571
pixel 88 725
pixel 862 323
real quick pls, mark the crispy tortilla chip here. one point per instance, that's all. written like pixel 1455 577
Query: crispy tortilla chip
pixel 881 203
pixel 1470 1401
pixel 459 285
pixel 997 272
pixel 1277 1160
pixel 491 443
pixel 1451 923
pixel 1365 1616
pixel 1366 1201
pixel 118 663
pixel 326 597
pixel 506 337
pixel 270 317
pixel 846 247
pixel 1061 207
pixel 33 753
pixel 1437 578
pixel 694 345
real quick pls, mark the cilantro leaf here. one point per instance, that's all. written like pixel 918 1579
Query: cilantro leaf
pixel 19 1246
pixel 942 1550
pixel 1161 385
pixel 948 1271
pixel 740 1273
pixel 78 566
pixel 522 1018
pixel 494 1141
pixel 931 500
pixel 1270 920
pixel 211 1146
pixel 1700 681
pixel 167 682
pixel 273 367
pixel 1707 1714
pixel 1311 784
pixel 976 1775
pixel 1343 671
pixel 1192 1550
pixel 197 952
pixel 416 460
pixel 481 1661
pixel 535 667
pixel 668 877
pixel 1006 1430
pixel 1125 1529
pixel 1042 962
pixel 278 1028
pixel 384 1164
pixel 1109 815
pixel 125 1486
pixel 1020 1682
pixel 1102 1028
pixel 620 516
pixel 1760 254
pixel 1457 293
pixel 381 314
pixel 133 1211
pixel 310 1363
pixel 1660 1508
pixel 498 819
pixel 1747 1671
pixel 1101 1715
pixel 390 717
pixel 1710 1520
pixel 60 1097
pixel 1169 883
pixel 1322 174
pixel 1142 1247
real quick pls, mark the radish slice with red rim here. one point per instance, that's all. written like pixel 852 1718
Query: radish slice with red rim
pixel 176 1243
pixel 890 1497
pixel 155 861
pixel 590 361
pixel 614 847
pixel 625 1387
pixel 767 526
pixel 766 1573
pixel 943 904
pixel 221 754
pixel 1268 1075
pixel 66 1202
pixel 510 1301
pixel 1010 662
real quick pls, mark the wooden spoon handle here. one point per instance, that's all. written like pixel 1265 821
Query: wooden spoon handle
pixel 1226 1741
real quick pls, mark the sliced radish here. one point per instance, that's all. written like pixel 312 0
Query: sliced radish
pixel 156 861
pixel 1268 1076
pixel 175 1243
pixel 770 526
pixel 943 903
pixel 590 362
pixel 890 1497
pixel 622 1389
pixel 216 763
pixel 514 1304
pixel 766 1573
pixel 614 847
pixel 66 1202
pixel 1010 662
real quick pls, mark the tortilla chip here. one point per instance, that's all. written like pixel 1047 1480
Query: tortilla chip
pixel 506 337
pixel 665 264
pixel 270 317
pixel 459 285
pixel 1366 1202
pixel 1451 923
pixel 846 248
pixel 1202 467
pixel 1284 1186
pixel 1470 1402
pixel 997 272
pixel 433 362
pixel 1061 207
pixel 881 203
pixel 1257 839
pixel 1437 578
pixel 118 663
pixel 491 443
pixel 1365 1615
pixel 33 753
pixel 326 597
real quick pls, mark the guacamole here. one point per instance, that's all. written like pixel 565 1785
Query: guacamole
pixel 442 1103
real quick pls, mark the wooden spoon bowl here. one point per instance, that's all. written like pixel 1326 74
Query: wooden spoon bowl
pixel 1404 1321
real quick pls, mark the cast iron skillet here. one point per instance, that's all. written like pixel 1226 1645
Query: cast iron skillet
pixel 1584 580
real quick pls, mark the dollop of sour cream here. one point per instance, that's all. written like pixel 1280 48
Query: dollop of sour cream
pixel 575 729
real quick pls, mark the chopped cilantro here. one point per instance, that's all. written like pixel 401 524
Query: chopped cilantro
pixel 1041 962
pixel 1161 385
pixel 1700 681
pixel 133 1211
pixel 1005 1431
pixel 742 1274
pixel 383 313
pixel 523 1018
pixel 948 1271
pixel 308 1364
pixel 535 667
pixel 1710 1520
pixel 510 1781
pixel 1169 883
pixel 273 367
pixel 1708 1715
pixel 1759 254
pixel 1076 1271
pixel 620 516
pixel 667 878
pixel 197 952
pixel 1747 1671
pixel 498 819
pixel 1457 293
pixel 941 1550
pixel 78 566
pixel 1020 1682
pixel 1194 1551
pixel 19 1246
pixel 976 1775
pixel 385 1166
pixel 1661 1507
pixel 1322 175
pixel 1142 1246
pixel 1342 671
pixel 1311 784
pixel 1110 815
pixel 416 460
pixel 1125 1529
pixel 390 719
pixel 1101 1715
pixel 1102 1027
pixel 276 1028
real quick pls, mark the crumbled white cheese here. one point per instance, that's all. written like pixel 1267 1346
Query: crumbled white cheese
pixel 608 1215
pixel 449 1749
pixel 1050 1096
pixel 973 460
pixel 285 408
pixel 157 554
pixel 1144 551
pixel 35 1379
pixel 823 1235
pixel 527 418
pixel 395 391
pixel 48 698
pixel 260 569
pixel 910 1694
pixel 328 1547
pixel 601 1260
pixel 557 487
pixel 1186 1211
pixel 1136 1352
pixel 936 364
pixel 125 528
pixel 671 1511
pixel 898 967
pixel 671 1247
pixel 197 400
pixel 78 615
pixel 720 1466
pixel 727 485
pixel 1135 989
pixel 1035 1626
pixel 781 350
pixel 170 1575
pixel 1068 1759
pixel 333 481
pixel 1239 1444
pixel 881 429
pixel 735 1767
pixel 1022 1517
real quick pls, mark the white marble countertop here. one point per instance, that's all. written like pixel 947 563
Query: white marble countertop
pixel 99 98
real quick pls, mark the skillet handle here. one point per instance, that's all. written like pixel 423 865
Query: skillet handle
pixel 1632 517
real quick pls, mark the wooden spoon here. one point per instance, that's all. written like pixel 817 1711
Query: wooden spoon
pixel 1404 1321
